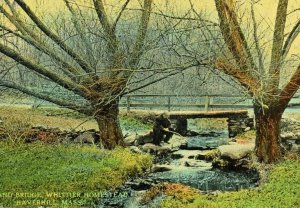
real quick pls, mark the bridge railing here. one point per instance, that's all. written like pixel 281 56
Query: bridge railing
pixel 186 102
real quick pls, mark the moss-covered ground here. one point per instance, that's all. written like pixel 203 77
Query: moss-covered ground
pixel 32 172
pixel 49 169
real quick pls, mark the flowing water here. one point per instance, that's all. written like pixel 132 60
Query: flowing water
pixel 190 171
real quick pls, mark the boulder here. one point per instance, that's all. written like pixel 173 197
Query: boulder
pixel 154 149
pixel 176 142
pixel 86 137
pixel 196 164
pixel 247 129
pixel 235 152
pixel 139 184
pixel 186 154
pixel 295 135
pixel 72 135
pixel 144 138
pixel 220 163
pixel 160 168
pixel 295 148
pixel 207 155
pixel 130 139
pixel 135 149
pixel 289 125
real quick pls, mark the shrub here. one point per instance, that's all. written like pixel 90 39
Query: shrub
pixel 14 130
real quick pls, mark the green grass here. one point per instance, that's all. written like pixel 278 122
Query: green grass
pixel 212 124
pixel 282 190
pixel 63 119
pixel 132 123
pixel 40 168
pixel 56 111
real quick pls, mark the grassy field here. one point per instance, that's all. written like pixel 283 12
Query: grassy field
pixel 62 118
pixel 31 173
pixel 42 171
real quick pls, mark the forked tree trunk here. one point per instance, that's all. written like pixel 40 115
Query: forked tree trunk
pixel 268 148
pixel 109 126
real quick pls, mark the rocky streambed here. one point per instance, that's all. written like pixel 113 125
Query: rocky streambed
pixel 192 161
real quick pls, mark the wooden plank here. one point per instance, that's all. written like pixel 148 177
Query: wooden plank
pixel 160 105
pixel 231 105
pixel 210 114
pixel 174 95
pixel 194 114
pixel 187 105
pixel 293 104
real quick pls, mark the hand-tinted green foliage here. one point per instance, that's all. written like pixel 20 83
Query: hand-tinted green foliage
pixel 205 124
pixel 182 193
pixel 282 190
pixel 132 123
pixel 57 168
pixel 63 112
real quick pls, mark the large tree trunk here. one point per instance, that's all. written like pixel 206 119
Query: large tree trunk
pixel 109 126
pixel 267 121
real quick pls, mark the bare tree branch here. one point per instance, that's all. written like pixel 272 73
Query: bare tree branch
pixel 208 22
pixel 67 69
pixel 243 77
pixel 256 40
pixel 120 14
pixel 141 34
pixel 68 84
pixel 290 89
pixel 290 39
pixel 43 96
pixel 76 21
pixel 278 38
pixel 47 31
pixel 107 27
pixel 179 70
pixel 233 34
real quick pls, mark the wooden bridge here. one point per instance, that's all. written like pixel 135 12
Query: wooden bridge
pixel 194 114
pixel 208 114
pixel 238 120
pixel 207 103
pixel 179 108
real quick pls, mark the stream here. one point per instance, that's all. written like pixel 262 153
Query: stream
pixel 182 166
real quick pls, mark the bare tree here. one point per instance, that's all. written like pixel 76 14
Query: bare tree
pixel 77 73
pixel 270 98
pixel 91 56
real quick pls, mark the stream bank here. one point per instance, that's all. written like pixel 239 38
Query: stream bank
pixel 190 161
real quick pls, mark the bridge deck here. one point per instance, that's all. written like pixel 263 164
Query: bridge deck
pixel 196 114
pixel 207 114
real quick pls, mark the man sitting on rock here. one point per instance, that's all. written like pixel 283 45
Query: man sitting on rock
pixel 162 130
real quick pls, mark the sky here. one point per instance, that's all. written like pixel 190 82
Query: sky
pixel 264 9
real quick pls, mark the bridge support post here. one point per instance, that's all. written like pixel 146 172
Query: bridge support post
pixel 181 125
pixel 207 101
pixel 169 103
pixel 128 103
